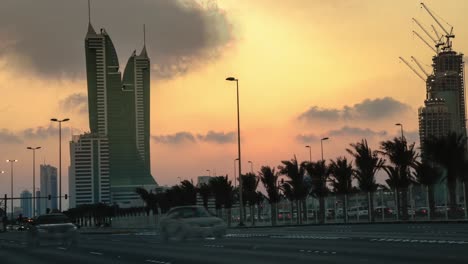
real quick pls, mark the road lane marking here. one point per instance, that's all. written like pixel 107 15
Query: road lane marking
pixel 157 261
pixel 61 248
pixel 96 253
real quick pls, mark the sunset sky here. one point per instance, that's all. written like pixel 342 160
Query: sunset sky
pixel 306 69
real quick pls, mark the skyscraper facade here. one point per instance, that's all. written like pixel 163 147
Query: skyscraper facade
pixel 26 203
pixel 48 187
pixel 119 111
pixel 444 107
pixel 89 170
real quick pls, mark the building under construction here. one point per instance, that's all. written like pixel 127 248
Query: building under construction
pixel 444 107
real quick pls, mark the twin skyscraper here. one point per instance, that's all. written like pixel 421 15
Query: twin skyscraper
pixel 113 159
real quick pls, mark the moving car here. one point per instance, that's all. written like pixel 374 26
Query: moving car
pixel 52 229
pixel 185 222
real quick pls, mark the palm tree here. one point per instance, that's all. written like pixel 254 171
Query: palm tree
pixel 150 199
pixel 428 175
pixel 449 152
pixel 403 158
pixel 341 172
pixel 295 173
pixel 189 193
pixel 249 189
pixel 367 164
pixel 223 192
pixel 318 171
pixel 205 192
pixel 269 178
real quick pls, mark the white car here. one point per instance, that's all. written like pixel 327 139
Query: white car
pixel 185 222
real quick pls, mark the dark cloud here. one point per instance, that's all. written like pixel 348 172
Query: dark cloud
pixel 7 137
pixel 307 138
pixel 187 137
pixel 345 131
pixel 177 138
pixel 181 34
pixel 369 110
pixel 41 132
pixel 77 101
pixel 218 137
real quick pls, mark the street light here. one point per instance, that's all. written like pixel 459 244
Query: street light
pixel 310 153
pixel 321 144
pixel 60 157
pixel 251 167
pixel 401 126
pixel 209 172
pixel 241 222
pixel 34 178
pixel 11 161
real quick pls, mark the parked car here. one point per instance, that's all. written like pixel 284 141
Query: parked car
pixel 385 210
pixel 185 222
pixel 52 229
pixel 355 211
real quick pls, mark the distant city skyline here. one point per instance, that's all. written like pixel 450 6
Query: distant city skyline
pixel 346 92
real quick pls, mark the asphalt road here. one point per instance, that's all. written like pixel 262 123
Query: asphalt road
pixel 391 243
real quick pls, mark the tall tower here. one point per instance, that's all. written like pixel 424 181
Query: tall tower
pixel 48 187
pixel 119 111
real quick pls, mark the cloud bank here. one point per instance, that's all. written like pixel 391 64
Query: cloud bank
pixel 367 110
pixel 49 34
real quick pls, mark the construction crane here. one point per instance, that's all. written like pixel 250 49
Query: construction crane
pixel 420 66
pixel 413 69
pixel 437 42
pixel 429 45
pixel 448 35
pixel 439 37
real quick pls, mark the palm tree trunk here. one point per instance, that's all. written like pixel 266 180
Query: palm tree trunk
pixel 452 188
pixel 322 209
pixel 259 212
pixel 371 207
pixel 345 208
pixel 397 202
pixel 228 216
pixel 273 211
pixel 252 214
pixel 430 194
pixel 404 203
pixel 298 215
pixel 304 209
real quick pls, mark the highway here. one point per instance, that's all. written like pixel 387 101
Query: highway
pixel 379 243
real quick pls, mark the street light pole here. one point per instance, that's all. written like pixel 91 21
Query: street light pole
pixel 11 161
pixel 310 153
pixel 60 158
pixel 209 172
pixel 34 179
pixel 321 144
pixel 241 222
pixel 251 167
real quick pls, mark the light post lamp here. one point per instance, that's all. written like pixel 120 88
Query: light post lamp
pixel 310 153
pixel 251 167
pixel 401 127
pixel 11 161
pixel 60 157
pixel 209 172
pixel 321 144
pixel 34 178
pixel 241 222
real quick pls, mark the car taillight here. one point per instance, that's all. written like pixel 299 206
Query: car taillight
pixel 424 211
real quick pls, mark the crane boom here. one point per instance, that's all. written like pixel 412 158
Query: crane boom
pixel 429 45
pixel 435 19
pixel 439 37
pixel 420 66
pixel 413 69
pixel 425 31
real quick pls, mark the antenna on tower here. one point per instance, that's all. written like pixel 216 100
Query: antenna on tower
pixel 89 11
pixel 144 35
